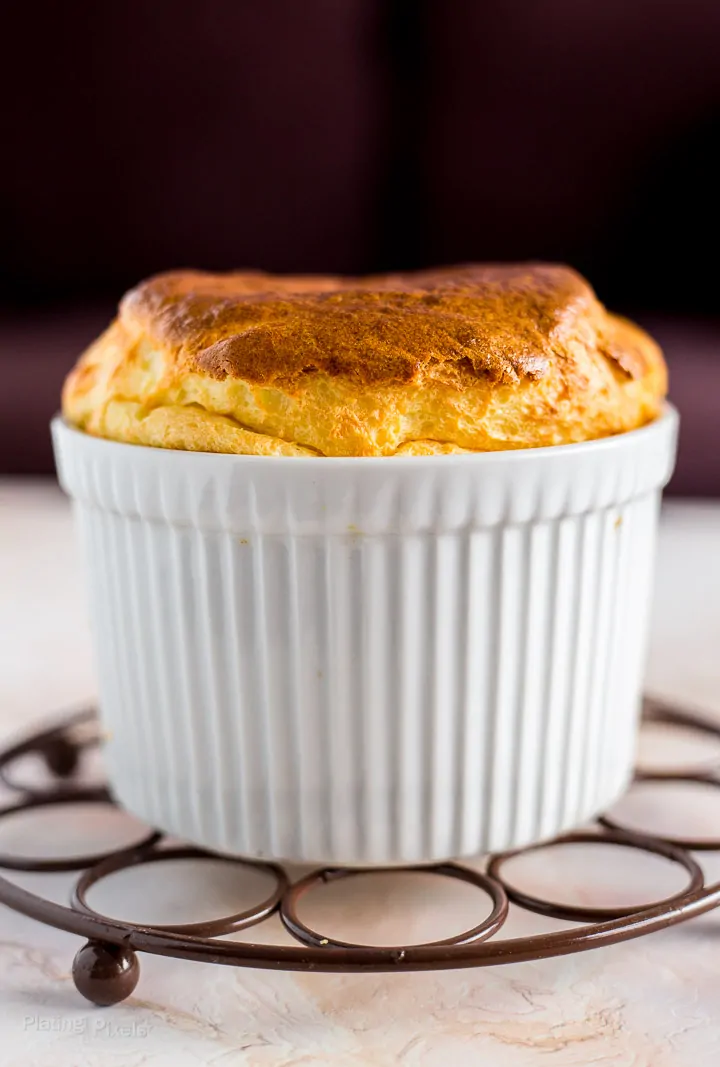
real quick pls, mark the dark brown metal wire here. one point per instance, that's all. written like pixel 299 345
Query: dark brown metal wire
pixel 489 926
pixel 134 857
pixel 583 913
pixel 106 968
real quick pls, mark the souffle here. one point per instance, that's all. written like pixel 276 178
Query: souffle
pixel 473 358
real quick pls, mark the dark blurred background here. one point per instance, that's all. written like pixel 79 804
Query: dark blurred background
pixel 353 136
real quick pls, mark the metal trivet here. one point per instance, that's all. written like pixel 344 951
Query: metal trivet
pixel 106 968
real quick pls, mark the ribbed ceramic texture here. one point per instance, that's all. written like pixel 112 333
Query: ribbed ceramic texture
pixel 369 661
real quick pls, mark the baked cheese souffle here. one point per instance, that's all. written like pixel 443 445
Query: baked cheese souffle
pixel 463 359
pixel 429 646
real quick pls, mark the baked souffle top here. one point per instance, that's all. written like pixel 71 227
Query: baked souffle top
pixel 472 358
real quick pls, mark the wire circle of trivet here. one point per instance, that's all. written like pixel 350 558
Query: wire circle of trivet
pixel 106 968
pixel 135 857
pixel 489 926
pixel 583 913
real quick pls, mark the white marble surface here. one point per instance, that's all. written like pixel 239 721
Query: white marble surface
pixel 650 1003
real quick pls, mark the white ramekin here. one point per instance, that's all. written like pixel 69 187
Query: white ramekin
pixel 355 661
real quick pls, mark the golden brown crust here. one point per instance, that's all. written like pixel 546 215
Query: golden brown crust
pixel 464 358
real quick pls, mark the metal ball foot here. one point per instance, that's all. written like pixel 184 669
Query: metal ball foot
pixel 61 757
pixel 105 974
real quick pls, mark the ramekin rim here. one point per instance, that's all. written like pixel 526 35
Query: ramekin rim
pixel 667 420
